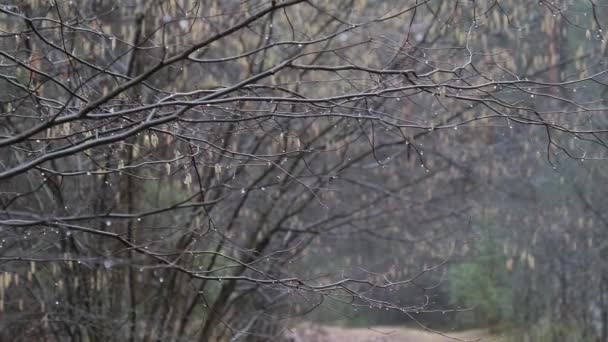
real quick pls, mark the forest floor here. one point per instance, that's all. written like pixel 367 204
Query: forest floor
pixel 311 333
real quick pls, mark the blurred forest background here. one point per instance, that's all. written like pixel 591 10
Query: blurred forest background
pixel 209 170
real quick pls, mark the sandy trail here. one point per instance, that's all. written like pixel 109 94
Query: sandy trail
pixel 383 334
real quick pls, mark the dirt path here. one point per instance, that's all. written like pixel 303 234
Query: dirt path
pixel 382 334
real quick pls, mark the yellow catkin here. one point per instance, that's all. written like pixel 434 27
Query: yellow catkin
pixel 2 294
pixel 98 281
pixel 7 280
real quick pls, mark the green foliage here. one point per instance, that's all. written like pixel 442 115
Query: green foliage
pixel 482 285
pixel 547 330
pixel 506 294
